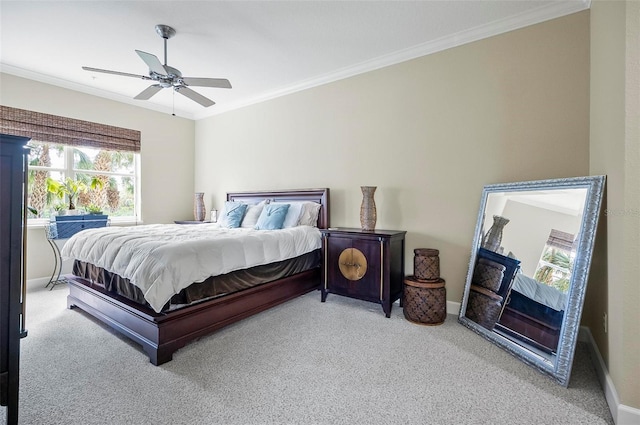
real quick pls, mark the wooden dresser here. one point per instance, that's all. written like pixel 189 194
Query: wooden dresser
pixel 368 265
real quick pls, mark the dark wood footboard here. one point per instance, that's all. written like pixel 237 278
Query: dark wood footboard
pixel 161 334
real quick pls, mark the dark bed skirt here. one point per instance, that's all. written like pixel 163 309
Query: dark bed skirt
pixel 541 312
pixel 532 322
pixel 211 288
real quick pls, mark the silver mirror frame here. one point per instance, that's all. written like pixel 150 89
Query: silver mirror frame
pixel 561 370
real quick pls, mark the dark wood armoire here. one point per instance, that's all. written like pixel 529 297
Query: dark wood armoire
pixel 13 172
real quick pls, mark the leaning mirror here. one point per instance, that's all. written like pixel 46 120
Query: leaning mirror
pixel 528 269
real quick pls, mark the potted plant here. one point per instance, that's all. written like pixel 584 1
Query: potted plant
pixel 93 209
pixel 69 188
pixel 59 209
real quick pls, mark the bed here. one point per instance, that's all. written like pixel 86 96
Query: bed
pixel 161 328
pixel 534 313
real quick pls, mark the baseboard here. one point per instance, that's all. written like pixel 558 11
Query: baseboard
pixel 39 282
pixel 453 307
pixel 622 414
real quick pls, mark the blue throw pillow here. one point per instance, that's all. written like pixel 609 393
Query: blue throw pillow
pixel 233 213
pixel 272 216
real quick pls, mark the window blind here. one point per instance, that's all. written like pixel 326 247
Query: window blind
pixel 67 131
pixel 562 240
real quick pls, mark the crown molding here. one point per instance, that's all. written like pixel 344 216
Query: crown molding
pixel 532 17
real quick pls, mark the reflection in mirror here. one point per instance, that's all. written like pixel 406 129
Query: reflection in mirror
pixel 528 270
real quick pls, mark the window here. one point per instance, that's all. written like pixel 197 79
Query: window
pixel 74 161
pixel 107 180
pixel 556 261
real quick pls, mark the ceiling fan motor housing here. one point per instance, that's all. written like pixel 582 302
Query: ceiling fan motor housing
pixel 173 77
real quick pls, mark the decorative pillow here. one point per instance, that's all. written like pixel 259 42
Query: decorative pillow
pixel 252 214
pixel 272 216
pixel 309 214
pixel 232 214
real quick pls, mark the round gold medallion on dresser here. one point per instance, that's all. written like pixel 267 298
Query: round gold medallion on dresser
pixel 352 264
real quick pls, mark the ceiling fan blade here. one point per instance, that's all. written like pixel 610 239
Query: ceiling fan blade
pixel 196 97
pixel 124 74
pixel 147 93
pixel 152 62
pixel 221 83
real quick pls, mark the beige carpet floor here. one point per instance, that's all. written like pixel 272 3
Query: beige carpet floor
pixel 304 362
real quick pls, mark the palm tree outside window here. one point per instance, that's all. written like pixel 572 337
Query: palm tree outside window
pixel 556 262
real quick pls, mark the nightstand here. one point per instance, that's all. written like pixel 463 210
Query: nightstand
pixel 367 265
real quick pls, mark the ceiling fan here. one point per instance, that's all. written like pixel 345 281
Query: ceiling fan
pixel 166 76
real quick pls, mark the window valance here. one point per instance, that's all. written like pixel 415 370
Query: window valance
pixel 67 131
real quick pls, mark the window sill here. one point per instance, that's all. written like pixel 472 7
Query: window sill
pixel 40 223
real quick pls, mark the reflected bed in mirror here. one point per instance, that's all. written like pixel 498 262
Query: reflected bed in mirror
pixel 528 270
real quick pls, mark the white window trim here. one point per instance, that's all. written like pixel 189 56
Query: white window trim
pixel 69 170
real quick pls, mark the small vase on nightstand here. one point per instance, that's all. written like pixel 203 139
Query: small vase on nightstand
pixel 199 211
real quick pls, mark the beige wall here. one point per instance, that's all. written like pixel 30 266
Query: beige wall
pixel 166 152
pixel 527 238
pixel 615 151
pixel 430 133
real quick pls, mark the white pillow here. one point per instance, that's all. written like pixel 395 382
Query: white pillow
pixel 309 214
pixel 293 214
pixel 253 213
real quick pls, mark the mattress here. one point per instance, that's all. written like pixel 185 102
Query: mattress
pixel 162 260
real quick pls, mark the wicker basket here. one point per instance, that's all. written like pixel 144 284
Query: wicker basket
pixel 483 306
pixel 488 274
pixel 424 303
pixel 426 264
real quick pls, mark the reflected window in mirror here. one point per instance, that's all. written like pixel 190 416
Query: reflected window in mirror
pixel 556 261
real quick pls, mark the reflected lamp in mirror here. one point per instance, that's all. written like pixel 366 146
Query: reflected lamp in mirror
pixel 526 281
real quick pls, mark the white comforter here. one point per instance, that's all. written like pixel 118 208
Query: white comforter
pixel 540 292
pixel 162 259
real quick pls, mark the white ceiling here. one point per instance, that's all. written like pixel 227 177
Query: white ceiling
pixel 565 201
pixel 265 48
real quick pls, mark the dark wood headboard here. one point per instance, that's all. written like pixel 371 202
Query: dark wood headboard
pixel 321 196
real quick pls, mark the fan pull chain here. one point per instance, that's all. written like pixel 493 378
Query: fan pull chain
pixel 173 102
